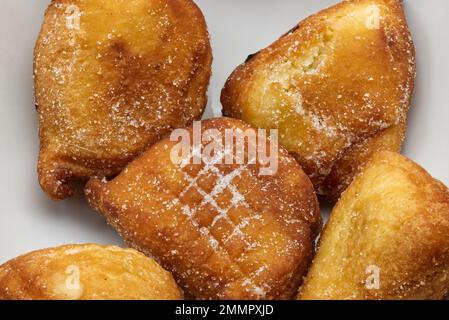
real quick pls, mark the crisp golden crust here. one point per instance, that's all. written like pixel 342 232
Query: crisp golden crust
pixel 114 84
pixel 223 230
pixel 86 272
pixel 387 237
pixel 331 86
pixel 345 169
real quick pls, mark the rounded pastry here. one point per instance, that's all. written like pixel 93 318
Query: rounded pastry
pixel 111 78
pixel 227 229
pixel 338 87
pixel 86 272
pixel 387 237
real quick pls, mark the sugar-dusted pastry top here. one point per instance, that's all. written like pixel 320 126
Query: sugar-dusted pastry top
pixel 224 230
pixel 387 237
pixel 111 78
pixel 86 272
pixel 337 86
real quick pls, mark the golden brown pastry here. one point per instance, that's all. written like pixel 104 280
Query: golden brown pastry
pixel 387 237
pixel 222 228
pixel 86 272
pixel 337 86
pixel 111 78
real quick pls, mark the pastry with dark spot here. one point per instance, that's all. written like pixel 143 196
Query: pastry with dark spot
pixel 338 87
pixel 111 78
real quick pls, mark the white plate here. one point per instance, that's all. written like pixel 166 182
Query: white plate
pixel 28 220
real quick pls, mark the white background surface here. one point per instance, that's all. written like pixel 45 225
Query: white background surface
pixel 29 221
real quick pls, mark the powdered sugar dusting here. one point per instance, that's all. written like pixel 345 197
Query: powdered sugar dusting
pixel 113 81
pixel 222 229
pixel 337 80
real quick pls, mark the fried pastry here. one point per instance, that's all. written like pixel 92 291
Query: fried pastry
pixel 338 87
pixel 387 237
pixel 224 229
pixel 111 78
pixel 86 272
